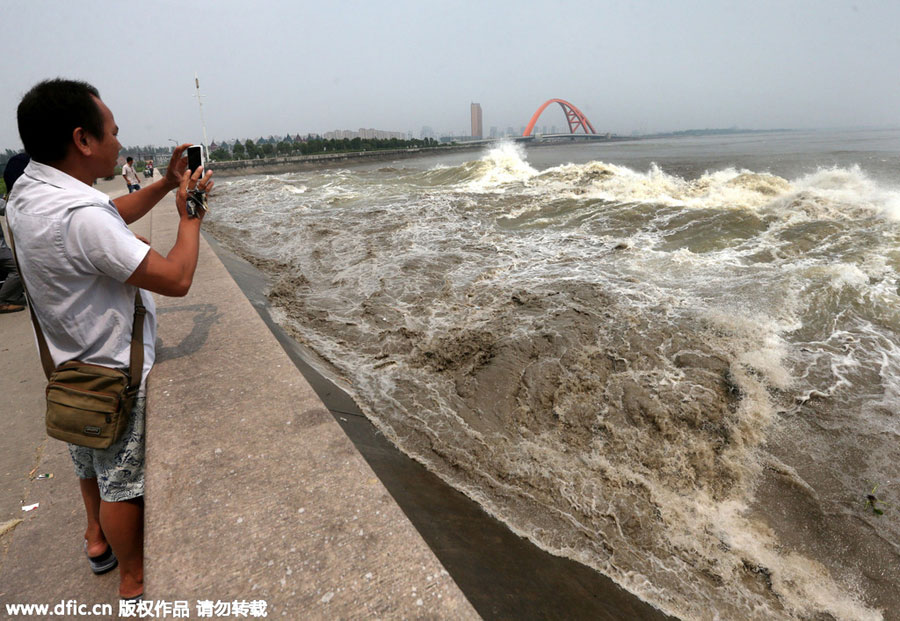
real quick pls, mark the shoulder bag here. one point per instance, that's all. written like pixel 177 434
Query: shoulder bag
pixel 89 404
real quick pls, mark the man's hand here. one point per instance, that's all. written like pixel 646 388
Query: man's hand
pixel 177 166
pixel 192 182
pixel 174 273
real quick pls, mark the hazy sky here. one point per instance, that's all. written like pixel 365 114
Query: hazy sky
pixel 298 66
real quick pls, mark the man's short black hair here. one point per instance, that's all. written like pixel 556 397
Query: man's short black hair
pixel 51 111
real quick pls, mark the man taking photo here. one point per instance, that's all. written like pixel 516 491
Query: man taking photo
pixel 82 266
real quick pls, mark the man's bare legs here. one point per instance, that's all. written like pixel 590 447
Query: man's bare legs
pixel 90 493
pixel 122 525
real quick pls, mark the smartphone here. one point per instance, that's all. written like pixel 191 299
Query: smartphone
pixel 195 157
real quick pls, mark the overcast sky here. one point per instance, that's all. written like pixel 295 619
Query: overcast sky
pixel 297 66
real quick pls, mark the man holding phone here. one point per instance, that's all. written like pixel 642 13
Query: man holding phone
pixel 81 266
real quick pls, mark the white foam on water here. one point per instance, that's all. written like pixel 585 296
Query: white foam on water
pixel 729 188
pixel 839 194
pixel 834 193
pixel 295 189
pixel 503 164
pixel 847 275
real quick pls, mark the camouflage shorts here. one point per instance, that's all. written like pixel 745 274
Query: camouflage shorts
pixel 119 469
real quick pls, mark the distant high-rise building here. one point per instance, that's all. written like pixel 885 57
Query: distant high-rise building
pixel 477 131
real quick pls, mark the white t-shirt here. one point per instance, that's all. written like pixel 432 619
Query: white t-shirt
pixel 75 254
pixel 130 176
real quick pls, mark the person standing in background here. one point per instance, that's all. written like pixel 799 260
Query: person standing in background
pixel 12 295
pixel 131 178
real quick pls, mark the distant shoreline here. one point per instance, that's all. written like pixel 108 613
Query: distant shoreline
pixel 296 163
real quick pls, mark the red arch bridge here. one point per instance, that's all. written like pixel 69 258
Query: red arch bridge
pixel 574 117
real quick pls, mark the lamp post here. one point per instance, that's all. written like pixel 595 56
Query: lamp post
pixel 202 122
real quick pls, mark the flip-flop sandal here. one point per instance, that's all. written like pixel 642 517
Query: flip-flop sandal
pixel 103 563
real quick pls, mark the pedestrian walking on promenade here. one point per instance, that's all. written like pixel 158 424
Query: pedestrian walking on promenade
pixel 131 178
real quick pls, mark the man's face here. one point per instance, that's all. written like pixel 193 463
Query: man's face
pixel 107 147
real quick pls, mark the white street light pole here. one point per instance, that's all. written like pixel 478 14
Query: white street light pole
pixel 202 122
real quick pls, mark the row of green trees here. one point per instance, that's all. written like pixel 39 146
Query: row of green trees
pixel 249 150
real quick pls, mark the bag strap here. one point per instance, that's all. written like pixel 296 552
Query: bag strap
pixel 137 343
pixel 137 330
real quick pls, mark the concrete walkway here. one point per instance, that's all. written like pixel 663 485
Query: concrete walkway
pixel 254 493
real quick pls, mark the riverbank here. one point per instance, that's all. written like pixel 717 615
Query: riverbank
pixel 319 161
pixel 295 163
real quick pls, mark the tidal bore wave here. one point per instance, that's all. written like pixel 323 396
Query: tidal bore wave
pixel 690 385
